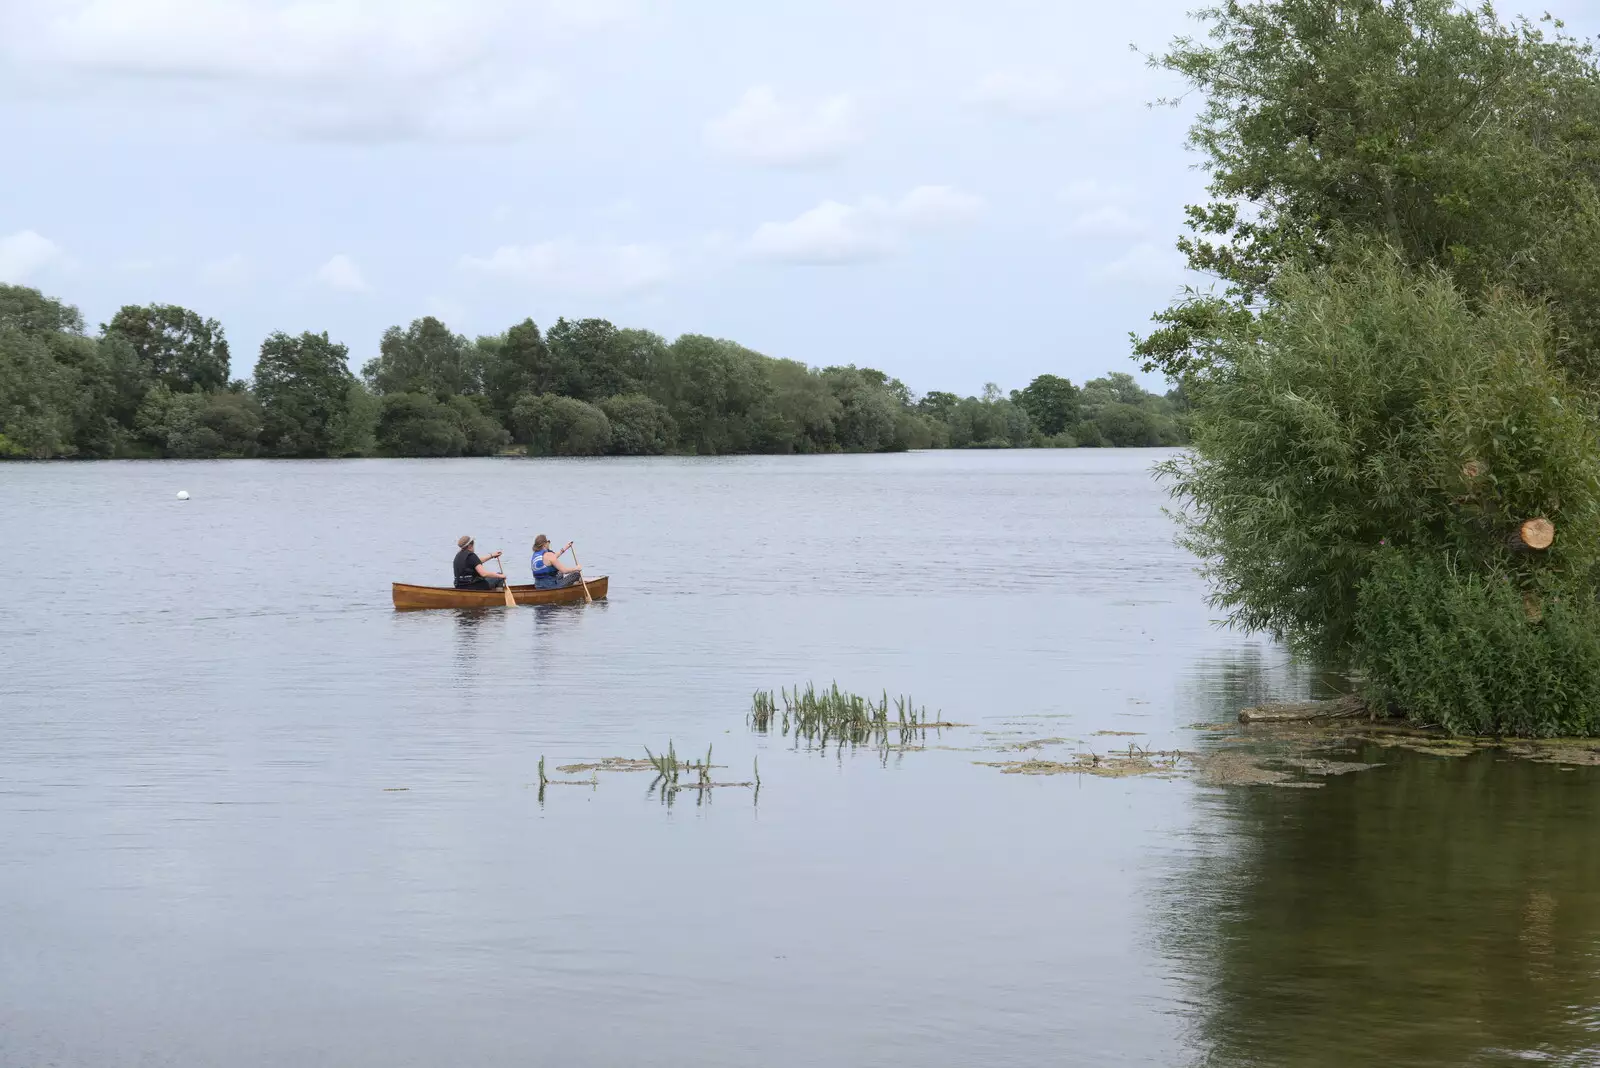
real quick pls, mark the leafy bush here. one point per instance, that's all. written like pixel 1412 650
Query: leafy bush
pixel 639 425
pixel 416 424
pixel 198 426
pixel 550 425
pixel 1374 405
pixel 1459 649
pixel 483 433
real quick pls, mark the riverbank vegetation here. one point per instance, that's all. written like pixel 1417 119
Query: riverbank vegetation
pixel 1399 376
pixel 153 382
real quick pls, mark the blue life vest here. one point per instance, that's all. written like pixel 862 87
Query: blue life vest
pixel 540 568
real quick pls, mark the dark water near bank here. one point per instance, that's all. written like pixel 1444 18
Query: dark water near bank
pixel 251 816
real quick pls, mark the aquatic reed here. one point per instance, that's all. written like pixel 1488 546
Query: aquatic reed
pixel 763 708
pixel 835 715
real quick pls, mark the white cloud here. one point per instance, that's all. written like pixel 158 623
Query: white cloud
pixel 1110 220
pixel 341 272
pixel 359 70
pixel 229 40
pixel 575 267
pixel 24 253
pixel 761 129
pixel 835 233
pixel 831 232
pixel 1145 262
pixel 230 270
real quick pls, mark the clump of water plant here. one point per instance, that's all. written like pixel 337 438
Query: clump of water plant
pixel 670 772
pixel 834 715
pixel 763 708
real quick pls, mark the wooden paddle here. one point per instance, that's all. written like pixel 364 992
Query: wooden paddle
pixel 511 600
pixel 581 579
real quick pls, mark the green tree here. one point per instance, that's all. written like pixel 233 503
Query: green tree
pixel 514 363
pixel 175 346
pixel 1051 403
pixel 639 425
pixel 1460 141
pixel 38 395
pixel 423 358
pixel 1375 408
pixel 551 425
pixel 484 436
pixel 303 385
pixel 797 413
pixel 61 393
pixel 356 433
pixel 938 405
pixel 716 392
pixel 418 424
pixel 591 358
pixel 199 426
pixel 866 421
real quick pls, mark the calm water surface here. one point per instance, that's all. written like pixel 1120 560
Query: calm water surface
pixel 249 815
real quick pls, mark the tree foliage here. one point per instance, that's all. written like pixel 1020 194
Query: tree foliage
pixel 639 426
pixel 1460 141
pixel 1374 406
pixel 431 392
pixel 174 346
pixel 551 425
pixel 1402 361
pixel 423 358
pixel 303 384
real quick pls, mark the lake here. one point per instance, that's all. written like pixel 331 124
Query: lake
pixel 250 815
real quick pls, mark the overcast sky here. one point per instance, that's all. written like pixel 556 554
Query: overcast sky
pixel 955 192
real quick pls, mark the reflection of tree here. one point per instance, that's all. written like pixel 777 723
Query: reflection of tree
pixel 1251 675
pixel 1432 911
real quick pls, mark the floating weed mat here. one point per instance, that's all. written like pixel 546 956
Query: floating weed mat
pixel 1032 743
pixel 832 715
pixel 545 780
pixel 609 764
pixel 1162 765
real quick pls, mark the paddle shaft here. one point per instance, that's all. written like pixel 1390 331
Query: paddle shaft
pixel 581 579
pixel 505 585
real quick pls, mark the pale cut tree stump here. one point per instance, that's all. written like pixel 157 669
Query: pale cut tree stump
pixel 1533 535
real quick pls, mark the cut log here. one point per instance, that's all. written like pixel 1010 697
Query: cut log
pixel 1305 711
pixel 1533 535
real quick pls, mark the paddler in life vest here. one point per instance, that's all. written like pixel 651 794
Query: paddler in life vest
pixel 470 572
pixel 549 573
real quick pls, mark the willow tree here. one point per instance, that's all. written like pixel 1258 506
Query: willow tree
pixel 1461 141
pixel 1395 382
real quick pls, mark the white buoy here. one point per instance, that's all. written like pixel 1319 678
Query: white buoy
pixel 183 495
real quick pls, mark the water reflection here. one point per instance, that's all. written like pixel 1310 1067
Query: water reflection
pixel 1432 911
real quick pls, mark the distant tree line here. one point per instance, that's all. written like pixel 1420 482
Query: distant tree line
pixel 153 382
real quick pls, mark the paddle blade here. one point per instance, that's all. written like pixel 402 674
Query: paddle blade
pixel 511 600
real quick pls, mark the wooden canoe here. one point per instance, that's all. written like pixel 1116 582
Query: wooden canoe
pixel 407 597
